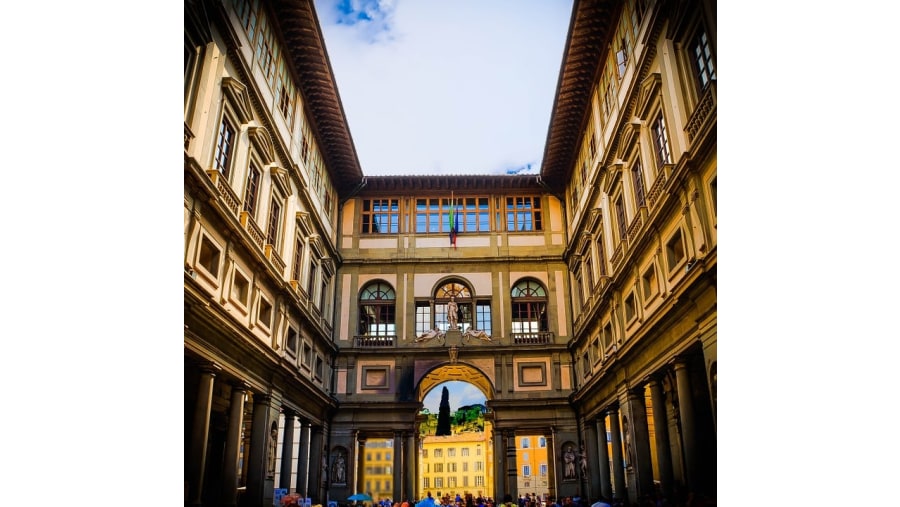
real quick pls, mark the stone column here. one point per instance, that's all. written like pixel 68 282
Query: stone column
pixel 200 433
pixel 661 427
pixel 233 444
pixel 287 451
pixel 259 450
pixel 643 467
pixel 499 465
pixel 551 469
pixel 618 469
pixel 592 477
pixel 603 458
pixel 303 458
pixel 688 425
pixel 318 465
pixel 398 474
pixel 360 462
pixel 409 470
pixel 511 466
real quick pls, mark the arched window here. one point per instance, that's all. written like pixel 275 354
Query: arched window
pixel 377 310
pixel 529 313
pixel 463 297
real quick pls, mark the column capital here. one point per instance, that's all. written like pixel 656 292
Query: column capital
pixel 210 368
pixel 612 410
pixel 239 385
pixel 262 399
pixel 288 412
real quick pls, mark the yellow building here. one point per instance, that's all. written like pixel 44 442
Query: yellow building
pixel 534 471
pixel 378 470
pixel 457 464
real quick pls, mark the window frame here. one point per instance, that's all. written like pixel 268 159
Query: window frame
pixel 369 215
pixel 384 312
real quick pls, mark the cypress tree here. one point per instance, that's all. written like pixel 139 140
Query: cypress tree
pixel 443 422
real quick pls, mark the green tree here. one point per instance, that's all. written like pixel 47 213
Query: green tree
pixel 443 422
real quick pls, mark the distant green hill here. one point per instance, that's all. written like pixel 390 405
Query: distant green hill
pixel 469 418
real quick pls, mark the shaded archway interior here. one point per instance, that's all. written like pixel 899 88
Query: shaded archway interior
pixel 454 372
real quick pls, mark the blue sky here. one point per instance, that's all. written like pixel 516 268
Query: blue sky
pixel 463 87
pixel 461 394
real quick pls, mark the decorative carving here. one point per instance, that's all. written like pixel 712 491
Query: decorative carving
pixel 431 334
pixel 454 354
pixel 476 333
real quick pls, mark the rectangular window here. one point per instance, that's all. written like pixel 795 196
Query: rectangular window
pixel 464 451
pixel 298 259
pixel 523 214
pixel 224 147
pixel 438 453
pixel 637 177
pixel 319 367
pixel 326 279
pixel 209 257
pixel 311 283
pixel 291 344
pixel 479 481
pixel 622 56
pixel 526 470
pixel 675 250
pixel 703 59
pixel 381 216
pixel 630 312
pixel 588 271
pixel 265 313
pixel 649 283
pixel 451 452
pixel 246 12
pixel 452 467
pixel 526 443
pixel 250 193
pixel 241 288
pixel 427 481
pixel 428 216
pixel 607 335
pixel 601 256
pixel 483 316
pixel 423 317
pixel 439 467
pixel 543 470
pixel 474 215
pixel 438 482
pixel 620 218
pixel 661 141
pixel 274 222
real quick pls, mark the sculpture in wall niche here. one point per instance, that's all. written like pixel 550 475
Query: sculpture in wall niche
pixel 453 314
pixel 569 459
pixel 583 462
pixel 476 333
pixel 273 446
pixel 340 468
pixel 431 334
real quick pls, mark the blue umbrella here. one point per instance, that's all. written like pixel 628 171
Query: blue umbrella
pixel 362 497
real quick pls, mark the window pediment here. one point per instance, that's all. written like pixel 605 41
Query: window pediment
pixel 612 175
pixel 259 138
pixel 305 224
pixel 650 89
pixel 237 96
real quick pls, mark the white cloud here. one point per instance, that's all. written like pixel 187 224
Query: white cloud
pixel 446 88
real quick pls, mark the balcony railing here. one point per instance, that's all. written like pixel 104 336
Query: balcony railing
pixel 370 342
pixel 656 189
pixel 635 226
pixel 225 192
pixel 539 338
pixel 255 232
pixel 272 255
pixel 617 254
pixel 704 111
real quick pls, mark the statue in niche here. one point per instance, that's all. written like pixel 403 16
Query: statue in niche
pixel 569 459
pixel 273 446
pixel 453 313
pixel 340 469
